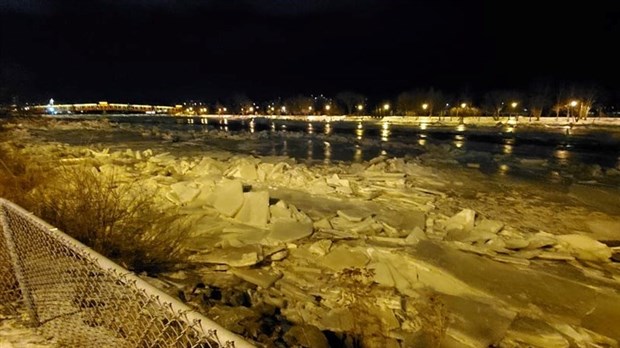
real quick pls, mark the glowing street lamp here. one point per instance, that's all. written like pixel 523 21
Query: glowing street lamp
pixel 327 107
pixel 386 106
pixel 424 106
pixel 360 107
pixel 572 104
pixel 462 106
pixel 513 105
pixel 283 108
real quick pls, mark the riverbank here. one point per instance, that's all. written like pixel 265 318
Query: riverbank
pixel 421 121
pixel 448 121
pixel 385 252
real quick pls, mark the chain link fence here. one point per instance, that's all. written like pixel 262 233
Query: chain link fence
pixel 82 299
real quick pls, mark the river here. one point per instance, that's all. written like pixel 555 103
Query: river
pixel 554 154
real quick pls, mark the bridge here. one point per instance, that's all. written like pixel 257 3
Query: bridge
pixel 102 107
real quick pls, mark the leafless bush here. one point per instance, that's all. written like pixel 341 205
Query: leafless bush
pixel 117 219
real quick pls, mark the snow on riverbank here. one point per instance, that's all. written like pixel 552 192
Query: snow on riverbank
pixel 388 252
pixel 15 334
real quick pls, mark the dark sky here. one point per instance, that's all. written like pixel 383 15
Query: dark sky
pixel 171 50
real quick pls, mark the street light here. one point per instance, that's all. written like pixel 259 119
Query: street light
pixel 513 105
pixel 424 106
pixel 360 107
pixel 572 104
pixel 386 106
pixel 462 106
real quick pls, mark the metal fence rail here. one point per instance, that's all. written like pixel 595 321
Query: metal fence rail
pixel 83 299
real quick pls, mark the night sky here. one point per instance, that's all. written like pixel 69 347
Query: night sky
pixel 167 51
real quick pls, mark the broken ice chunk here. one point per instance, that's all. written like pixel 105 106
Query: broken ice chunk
pixel 237 257
pixel 280 210
pixel 489 226
pixel 535 333
pixel 353 215
pixel 255 209
pixel 540 240
pixel 288 230
pixel 343 257
pixel 585 248
pixel 184 191
pixel 321 247
pixel 228 197
pixel 464 220
pixel 245 171
pixel 261 277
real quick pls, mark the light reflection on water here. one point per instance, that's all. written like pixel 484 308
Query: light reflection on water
pixel 371 138
pixel 310 150
pixel 503 169
pixel 359 132
pixel 358 156
pixel 327 152
pixel 385 132
pixel 459 141
pixel 328 129
pixel 562 156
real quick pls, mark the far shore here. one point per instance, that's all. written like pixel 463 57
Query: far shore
pixel 423 121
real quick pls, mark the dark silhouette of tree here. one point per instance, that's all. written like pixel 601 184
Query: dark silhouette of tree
pixel 300 105
pixel 349 101
pixel 499 102
pixel 409 103
pixel 494 102
pixel 560 100
pixel 586 98
pixel 241 104
pixel 435 100
pixel 539 99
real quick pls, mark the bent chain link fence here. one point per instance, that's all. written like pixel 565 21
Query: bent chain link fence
pixel 82 299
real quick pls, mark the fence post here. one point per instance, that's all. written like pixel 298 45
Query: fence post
pixel 17 267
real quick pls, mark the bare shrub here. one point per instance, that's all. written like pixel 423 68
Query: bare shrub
pixel 116 218
pixel 20 174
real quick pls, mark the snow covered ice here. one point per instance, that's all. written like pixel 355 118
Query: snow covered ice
pixel 391 250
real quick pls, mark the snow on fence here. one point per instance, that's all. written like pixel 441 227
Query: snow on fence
pixel 83 299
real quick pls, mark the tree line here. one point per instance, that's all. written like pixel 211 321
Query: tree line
pixel 571 101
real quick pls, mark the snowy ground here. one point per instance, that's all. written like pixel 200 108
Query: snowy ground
pixel 15 334
pixel 384 253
